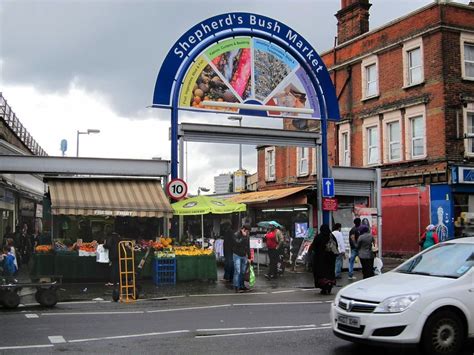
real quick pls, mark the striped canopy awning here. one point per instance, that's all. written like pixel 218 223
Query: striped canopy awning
pixel 108 197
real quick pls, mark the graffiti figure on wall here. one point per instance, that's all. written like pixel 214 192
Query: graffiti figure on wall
pixel 441 228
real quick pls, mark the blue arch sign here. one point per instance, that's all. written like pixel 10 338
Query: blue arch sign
pixel 232 61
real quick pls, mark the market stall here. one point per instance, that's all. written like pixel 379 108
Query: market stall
pixel 84 211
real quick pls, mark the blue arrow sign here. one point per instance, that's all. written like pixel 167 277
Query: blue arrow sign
pixel 328 187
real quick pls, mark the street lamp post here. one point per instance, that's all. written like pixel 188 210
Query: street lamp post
pixel 205 189
pixel 89 131
pixel 238 118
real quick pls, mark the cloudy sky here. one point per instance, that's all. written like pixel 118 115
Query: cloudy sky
pixel 68 65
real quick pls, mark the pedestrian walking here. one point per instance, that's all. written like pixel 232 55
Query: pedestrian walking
pixel 324 250
pixel 353 236
pixel 429 237
pixel 273 252
pixel 364 246
pixel 111 243
pixel 228 253
pixel 336 231
pixel 241 255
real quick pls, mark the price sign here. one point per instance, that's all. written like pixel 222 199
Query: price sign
pixel 177 189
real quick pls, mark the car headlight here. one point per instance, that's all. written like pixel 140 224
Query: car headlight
pixel 396 304
pixel 337 298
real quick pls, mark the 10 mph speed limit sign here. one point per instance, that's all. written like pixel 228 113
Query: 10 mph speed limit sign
pixel 177 189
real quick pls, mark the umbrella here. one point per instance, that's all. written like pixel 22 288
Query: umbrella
pixel 267 224
pixel 203 204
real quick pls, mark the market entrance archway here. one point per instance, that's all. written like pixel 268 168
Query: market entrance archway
pixel 250 64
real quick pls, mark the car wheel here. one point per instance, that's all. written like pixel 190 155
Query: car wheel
pixel 443 333
pixel 11 299
pixel 48 298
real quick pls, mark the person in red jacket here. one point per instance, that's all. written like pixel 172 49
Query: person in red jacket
pixel 273 253
pixel 429 237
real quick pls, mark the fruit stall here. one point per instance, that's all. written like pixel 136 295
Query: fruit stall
pixel 79 262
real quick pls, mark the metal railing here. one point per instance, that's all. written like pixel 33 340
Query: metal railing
pixel 18 129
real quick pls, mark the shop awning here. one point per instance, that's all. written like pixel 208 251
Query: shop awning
pixel 109 197
pixel 265 196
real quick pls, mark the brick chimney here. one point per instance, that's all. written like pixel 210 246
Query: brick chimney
pixel 352 19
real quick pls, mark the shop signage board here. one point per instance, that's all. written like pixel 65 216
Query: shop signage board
pixel 329 204
pixel 256 243
pixel 177 189
pixel 227 58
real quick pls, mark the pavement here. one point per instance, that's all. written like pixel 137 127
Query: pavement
pixel 290 280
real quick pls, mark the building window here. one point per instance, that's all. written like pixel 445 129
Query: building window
pixel 416 132
pixel 393 129
pixel 370 80
pixel 413 62
pixel 302 161
pixel 469 128
pixel 370 139
pixel 344 145
pixel 467 55
pixel 372 146
pixel 392 133
pixel 270 164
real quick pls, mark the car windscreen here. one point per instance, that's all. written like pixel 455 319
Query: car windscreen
pixel 443 260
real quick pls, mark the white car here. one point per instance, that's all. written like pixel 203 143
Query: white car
pixel 428 300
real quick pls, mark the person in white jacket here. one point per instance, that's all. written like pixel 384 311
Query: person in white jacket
pixel 336 231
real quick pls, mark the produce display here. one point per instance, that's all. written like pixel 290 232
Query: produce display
pixel 44 249
pixel 210 87
pixel 167 253
pixel 192 251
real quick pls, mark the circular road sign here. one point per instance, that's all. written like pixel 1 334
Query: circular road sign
pixel 177 189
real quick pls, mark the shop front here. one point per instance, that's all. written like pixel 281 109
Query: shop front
pixel 83 212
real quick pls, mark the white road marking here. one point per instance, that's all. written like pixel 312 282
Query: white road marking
pixel 31 315
pixel 89 313
pixel 258 333
pixel 56 339
pixel 284 291
pixel 163 298
pixel 254 328
pixel 276 303
pixel 230 294
pixel 128 336
pixel 188 308
pixel 25 347
pixel 83 302
pixel 325 324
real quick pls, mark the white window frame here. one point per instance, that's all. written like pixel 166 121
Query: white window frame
pixel 410 114
pixel 388 119
pixel 468 133
pixel 302 157
pixel 270 166
pixel 366 63
pixel 465 38
pixel 314 168
pixel 371 123
pixel 344 152
pixel 408 48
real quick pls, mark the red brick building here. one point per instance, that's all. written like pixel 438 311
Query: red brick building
pixel 406 96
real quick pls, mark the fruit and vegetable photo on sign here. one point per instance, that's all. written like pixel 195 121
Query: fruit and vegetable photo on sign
pixel 241 69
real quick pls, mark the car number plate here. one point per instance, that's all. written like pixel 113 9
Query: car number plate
pixel 349 321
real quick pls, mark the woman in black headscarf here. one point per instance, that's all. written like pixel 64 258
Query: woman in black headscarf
pixel 324 260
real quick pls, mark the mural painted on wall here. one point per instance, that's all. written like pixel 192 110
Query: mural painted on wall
pixel 441 211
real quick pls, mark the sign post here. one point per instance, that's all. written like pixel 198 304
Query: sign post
pixel 177 189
